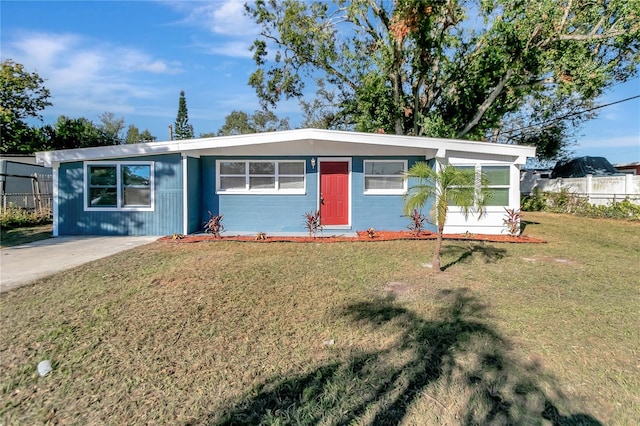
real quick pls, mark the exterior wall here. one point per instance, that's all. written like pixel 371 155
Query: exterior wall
pixel 24 185
pixel 599 190
pixel 492 221
pixel 270 213
pixel 633 169
pixel 381 212
pixel 285 213
pixel 194 191
pixel 165 219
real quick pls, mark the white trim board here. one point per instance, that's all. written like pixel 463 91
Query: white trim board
pixel 314 142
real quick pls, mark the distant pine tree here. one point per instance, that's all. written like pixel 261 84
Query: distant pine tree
pixel 182 129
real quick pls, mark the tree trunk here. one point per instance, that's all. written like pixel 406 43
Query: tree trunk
pixel 436 254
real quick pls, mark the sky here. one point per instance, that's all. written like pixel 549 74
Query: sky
pixel 132 59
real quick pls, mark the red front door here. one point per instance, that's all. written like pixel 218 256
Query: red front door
pixel 334 193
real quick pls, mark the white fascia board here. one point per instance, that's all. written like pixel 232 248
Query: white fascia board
pixel 310 135
pixel 97 153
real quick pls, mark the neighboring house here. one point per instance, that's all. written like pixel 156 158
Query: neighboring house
pixel 266 182
pixel 630 168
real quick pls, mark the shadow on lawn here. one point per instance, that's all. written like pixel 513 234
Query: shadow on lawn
pixel 488 253
pixel 380 387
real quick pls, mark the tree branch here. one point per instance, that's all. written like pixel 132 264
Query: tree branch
pixel 497 90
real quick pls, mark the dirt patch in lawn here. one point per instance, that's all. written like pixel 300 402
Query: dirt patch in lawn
pixel 362 236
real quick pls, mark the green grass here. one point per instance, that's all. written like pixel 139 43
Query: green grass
pixel 342 333
pixel 16 236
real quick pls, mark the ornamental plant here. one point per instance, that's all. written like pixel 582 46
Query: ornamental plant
pixel 417 221
pixel 312 223
pixel 214 225
pixel 512 221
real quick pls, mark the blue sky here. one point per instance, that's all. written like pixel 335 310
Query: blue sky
pixel 132 58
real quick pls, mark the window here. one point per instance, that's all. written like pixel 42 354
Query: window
pixel 498 180
pixel 261 176
pixel 385 176
pixel 119 186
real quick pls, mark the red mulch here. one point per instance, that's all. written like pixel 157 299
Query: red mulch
pixel 363 236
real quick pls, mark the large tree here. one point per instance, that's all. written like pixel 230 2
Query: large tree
pixel 112 126
pixel 182 129
pixel 449 68
pixel 22 96
pixel 134 135
pixel 239 123
pixel 69 133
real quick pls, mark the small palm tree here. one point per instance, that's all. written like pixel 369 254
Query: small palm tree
pixel 445 184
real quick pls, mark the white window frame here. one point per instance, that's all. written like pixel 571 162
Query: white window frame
pixel 478 170
pixel 492 187
pixel 119 186
pixel 402 191
pixel 275 190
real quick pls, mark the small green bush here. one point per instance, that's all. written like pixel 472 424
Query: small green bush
pixel 618 210
pixel 16 217
pixel 535 202
pixel 566 202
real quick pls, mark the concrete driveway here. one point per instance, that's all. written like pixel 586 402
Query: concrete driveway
pixel 22 264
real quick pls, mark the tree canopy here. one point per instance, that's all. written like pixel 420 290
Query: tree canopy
pixel 239 123
pixel 480 69
pixel 134 136
pixel 22 96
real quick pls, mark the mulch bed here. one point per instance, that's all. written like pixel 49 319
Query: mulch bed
pixel 363 236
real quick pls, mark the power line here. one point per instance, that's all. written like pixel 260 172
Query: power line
pixel 571 114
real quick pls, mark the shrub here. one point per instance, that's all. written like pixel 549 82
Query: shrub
pixel 214 225
pixel 535 202
pixel 512 221
pixel 312 223
pixel 17 217
pixel 566 202
pixel 417 222
pixel 617 210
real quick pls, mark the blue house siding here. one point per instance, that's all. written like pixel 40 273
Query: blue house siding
pixel 285 213
pixel 381 212
pixel 194 191
pixel 166 218
pixel 260 212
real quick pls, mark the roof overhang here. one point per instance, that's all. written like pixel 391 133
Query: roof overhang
pixel 312 142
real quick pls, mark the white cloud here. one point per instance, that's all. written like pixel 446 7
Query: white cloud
pixel 86 75
pixel 233 31
pixel 234 49
pixel 229 18
pixel 226 17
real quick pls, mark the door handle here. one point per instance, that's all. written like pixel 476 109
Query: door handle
pixel 321 199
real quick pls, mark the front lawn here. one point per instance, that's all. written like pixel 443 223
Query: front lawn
pixel 343 333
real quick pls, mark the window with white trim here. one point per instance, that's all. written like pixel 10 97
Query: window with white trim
pixel 119 186
pixel 497 179
pixel 261 176
pixel 385 176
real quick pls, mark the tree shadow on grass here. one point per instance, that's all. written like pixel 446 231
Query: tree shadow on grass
pixel 456 354
pixel 488 253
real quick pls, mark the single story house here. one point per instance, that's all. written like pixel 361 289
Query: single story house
pixel 266 183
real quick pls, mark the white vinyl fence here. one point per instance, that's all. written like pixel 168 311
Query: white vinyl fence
pixel 598 190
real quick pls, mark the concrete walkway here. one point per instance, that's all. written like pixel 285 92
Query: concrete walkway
pixel 22 264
